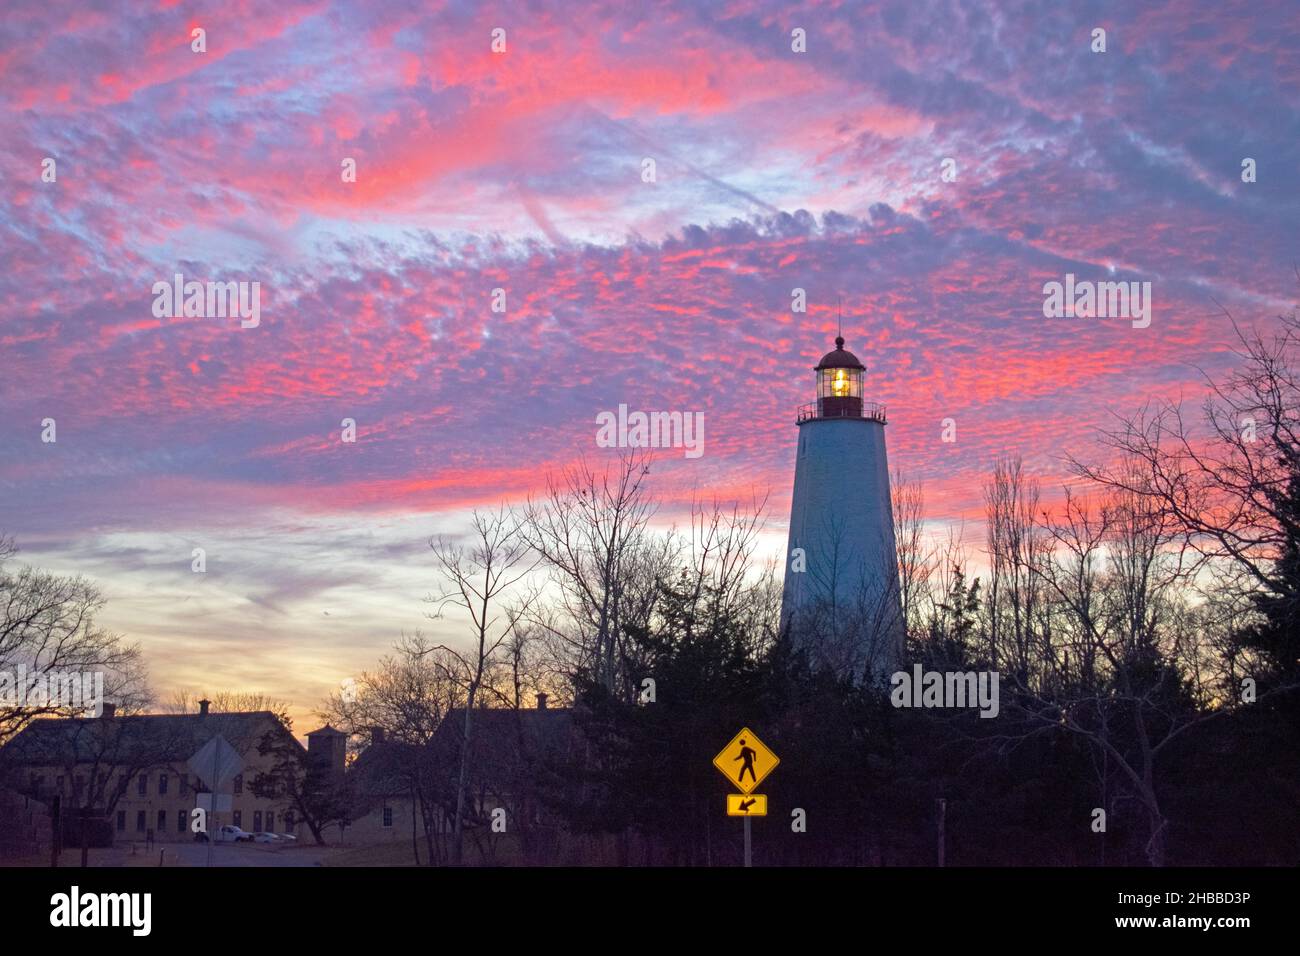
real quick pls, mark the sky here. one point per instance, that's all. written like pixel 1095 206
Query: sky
pixel 525 168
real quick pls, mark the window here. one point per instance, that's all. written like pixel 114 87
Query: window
pixel 257 821
pixel 388 816
pixel 121 821
pixel 121 785
pixel 78 784
pixel 185 784
pixel 139 821
pixel 288 822
pixel 181 821
pixel 37 782
pixel 270 819
pixel 239 784
pixel 239 818
pixel 58 782
pixel 142 785
pixel 162 784
pixel 840 383
pixel 162 821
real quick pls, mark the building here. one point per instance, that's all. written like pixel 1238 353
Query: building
pixel 514 775
pixel 392 789
pixel 404 792
pixel 840 596
pixel 131 774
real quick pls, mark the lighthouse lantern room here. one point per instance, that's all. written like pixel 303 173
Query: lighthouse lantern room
pixel 839 389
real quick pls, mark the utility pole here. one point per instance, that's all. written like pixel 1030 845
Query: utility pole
pixel 942 806
pixel 56 829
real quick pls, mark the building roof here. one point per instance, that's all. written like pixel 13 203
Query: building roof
pixel 385 769
pixel 839 358
pixel 507 744
pixel 326 731
pixel 136 739
pixel 512 750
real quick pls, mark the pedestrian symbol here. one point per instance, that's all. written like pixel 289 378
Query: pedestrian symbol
pixel 745 761
pixel 746 805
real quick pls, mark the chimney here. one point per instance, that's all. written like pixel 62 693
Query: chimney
pixel 541 701
pixel 376 735
pixel 203 707
pixel 108 710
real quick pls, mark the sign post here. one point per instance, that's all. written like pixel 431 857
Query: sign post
pixel 217 763
pixel 943 820
pixel 746 762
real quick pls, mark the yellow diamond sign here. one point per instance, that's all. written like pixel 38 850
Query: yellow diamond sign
pixel 746 761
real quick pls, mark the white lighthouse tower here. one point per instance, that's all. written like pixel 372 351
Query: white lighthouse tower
pixel 840 597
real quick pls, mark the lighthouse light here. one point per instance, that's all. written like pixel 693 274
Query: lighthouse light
pixel 839 383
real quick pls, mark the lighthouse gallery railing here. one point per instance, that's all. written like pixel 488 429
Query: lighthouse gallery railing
pixel 870 410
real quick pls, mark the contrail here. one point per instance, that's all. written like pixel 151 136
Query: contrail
pixel 534 208
pixel 636 133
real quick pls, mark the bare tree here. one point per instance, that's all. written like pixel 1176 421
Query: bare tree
pixel 49 632
pixel 715 557
pixel 1230 484
pixel 186 701
pixel 916 557
pixel 590 530
pixel 1015 547
pixel 320 794
pixel 483 579
pixel 407 697
pixel 1108 647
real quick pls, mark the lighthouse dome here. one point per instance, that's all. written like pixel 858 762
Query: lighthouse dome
pixel 840 358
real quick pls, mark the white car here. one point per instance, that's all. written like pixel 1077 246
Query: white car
pixel 232 834
pixel 265 838
pixel 288 838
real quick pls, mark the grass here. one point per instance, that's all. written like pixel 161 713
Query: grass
pixel 383 854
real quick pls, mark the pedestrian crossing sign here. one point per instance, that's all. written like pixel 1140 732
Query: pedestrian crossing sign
pixel 746 805
pixel 746 761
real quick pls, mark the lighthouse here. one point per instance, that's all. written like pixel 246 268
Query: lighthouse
pixel 840 597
